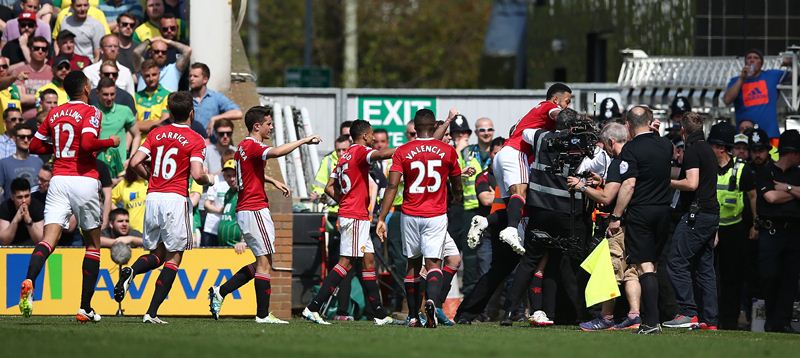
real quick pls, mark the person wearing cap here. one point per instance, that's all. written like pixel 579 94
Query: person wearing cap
pixel 22 24
pixel 61 67
pixel 88 30
pixel 735 187
pixel 761 149
pixel 215 202
pixel 228 231
pixel 15 49
pixel 778 221
pixel 608 111
pixel 679 106
pixel 690 262
pixel 754 93
pixel 740 148
pixel 66 47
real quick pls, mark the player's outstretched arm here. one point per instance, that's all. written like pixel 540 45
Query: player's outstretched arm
pixel 333 190
pixel 278 185
pixel 442 129
pixel 386 203
pixel 39 146
pixel 382 154
pixel 287 148
pixel 200 175
pixel 137 163
pixel 90 142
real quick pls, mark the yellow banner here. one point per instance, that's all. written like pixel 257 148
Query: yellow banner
pixel 58 287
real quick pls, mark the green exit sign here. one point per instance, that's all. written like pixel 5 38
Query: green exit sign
pixel 307 77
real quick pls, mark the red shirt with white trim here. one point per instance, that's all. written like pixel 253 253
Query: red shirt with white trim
pixel 426 165
pixel 172 148
pixel 352 172
pixel 251 158
pixel 537 118
pixel 64 127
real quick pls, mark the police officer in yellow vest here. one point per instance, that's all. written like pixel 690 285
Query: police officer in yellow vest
pixel 735 185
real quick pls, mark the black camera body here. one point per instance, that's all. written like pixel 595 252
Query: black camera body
pixel 570 146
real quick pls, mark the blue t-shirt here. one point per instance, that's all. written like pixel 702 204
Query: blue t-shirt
pixel 758 101
pixel 12 168
pixel 212 104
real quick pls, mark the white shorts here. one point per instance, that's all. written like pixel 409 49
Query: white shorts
pixel 510 167
pixel 450 248
pixel 424 236
pixel 355 240
pixel 258 231
pixel 73 195
pixel 168 220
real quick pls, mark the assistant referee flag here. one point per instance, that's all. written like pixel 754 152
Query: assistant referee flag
pixel 602 285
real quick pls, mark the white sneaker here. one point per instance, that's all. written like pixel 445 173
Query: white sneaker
pixel 385 321
pixel 214 301
pixel 154 320
pixel 510 236
pixel 479 223
pixel 539 319
pixel 313 317
pixel 84 316
pixel 271 319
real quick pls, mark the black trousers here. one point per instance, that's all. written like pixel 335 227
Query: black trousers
pixel 691 265
pixel 779 267
pixel 731 255
pixel 396 260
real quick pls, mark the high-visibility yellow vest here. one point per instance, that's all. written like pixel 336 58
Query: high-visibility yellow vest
pixel 326 167
pixel 730 195
pixel 468 183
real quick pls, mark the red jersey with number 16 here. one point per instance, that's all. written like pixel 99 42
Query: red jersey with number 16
pixel 537 118
pixel 64 127
pixel 251 158
pixel 352 172
pixel 426 165
pixel 171 149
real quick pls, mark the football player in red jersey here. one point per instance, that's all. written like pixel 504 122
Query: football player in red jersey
pixel 349 186
pixel 176 153
pixel 70 133
pixel 252 211
pixel 424 163
pixel 511 164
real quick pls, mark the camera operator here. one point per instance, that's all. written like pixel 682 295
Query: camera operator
pixel 778 210
pixel 644 198
pixel 613 136
pixel 551 210
pixel 690 262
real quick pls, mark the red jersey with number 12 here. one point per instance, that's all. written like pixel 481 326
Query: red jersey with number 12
pixel 352 172
pixel 537 118
pixel 64 127
pixel 171 149
pixel 426 165
pixel 251 158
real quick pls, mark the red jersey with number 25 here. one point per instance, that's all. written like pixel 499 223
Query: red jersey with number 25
pixel 251 158
pixel 537 118
pixel 352 172
pixel 64 127
pixel 426 165
pixel 171 149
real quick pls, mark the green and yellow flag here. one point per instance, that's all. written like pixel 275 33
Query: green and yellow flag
pixel 602 285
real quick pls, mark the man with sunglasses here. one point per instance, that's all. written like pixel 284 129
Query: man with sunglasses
pixel 28 14
pixel 125 25
pixel 224 131
pixel 21 164
pixel 109 70
pixel 484 130
pixel 109 51
pixel 33 74
pixel 13 49
pixel 171 72
pixel 210 106
pixel 11 118
pixel 12 95
pixel 61 67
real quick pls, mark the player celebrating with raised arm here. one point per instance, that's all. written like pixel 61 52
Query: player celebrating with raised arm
pixel 176 152
pixel 252 210
pixel 511 164
pixel 348 185
pixel 70 133
pixel 424 163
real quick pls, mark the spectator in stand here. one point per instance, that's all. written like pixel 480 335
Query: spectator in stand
pixel 754 94
pixel 176 8
pixel 45 174
pixel 21 164
pixel 13 95
pixel 109 45
pixel 215 203
pixel 169 31
pixel 125 25
pixel 66 47
pixel 21 218
pixel 152 27
pixel 224 132
pixel 118 120
pixel 17 49
pixel 151 102
pixel 130 194
pixel 37 73
pixel 119 230
pixel 61 68
pixel 13 26
pixel 88 31
pixel 48 99
pixel 11 118
pixel 93 12
pixel 109 70
pixel 170 75
pixel 114 9
pixel 228 231
pixel 209 105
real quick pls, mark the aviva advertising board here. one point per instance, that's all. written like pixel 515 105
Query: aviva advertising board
pixel 58 287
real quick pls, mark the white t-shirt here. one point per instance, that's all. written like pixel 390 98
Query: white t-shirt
pixel 215 195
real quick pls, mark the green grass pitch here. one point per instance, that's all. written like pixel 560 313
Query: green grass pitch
pixel 62 337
